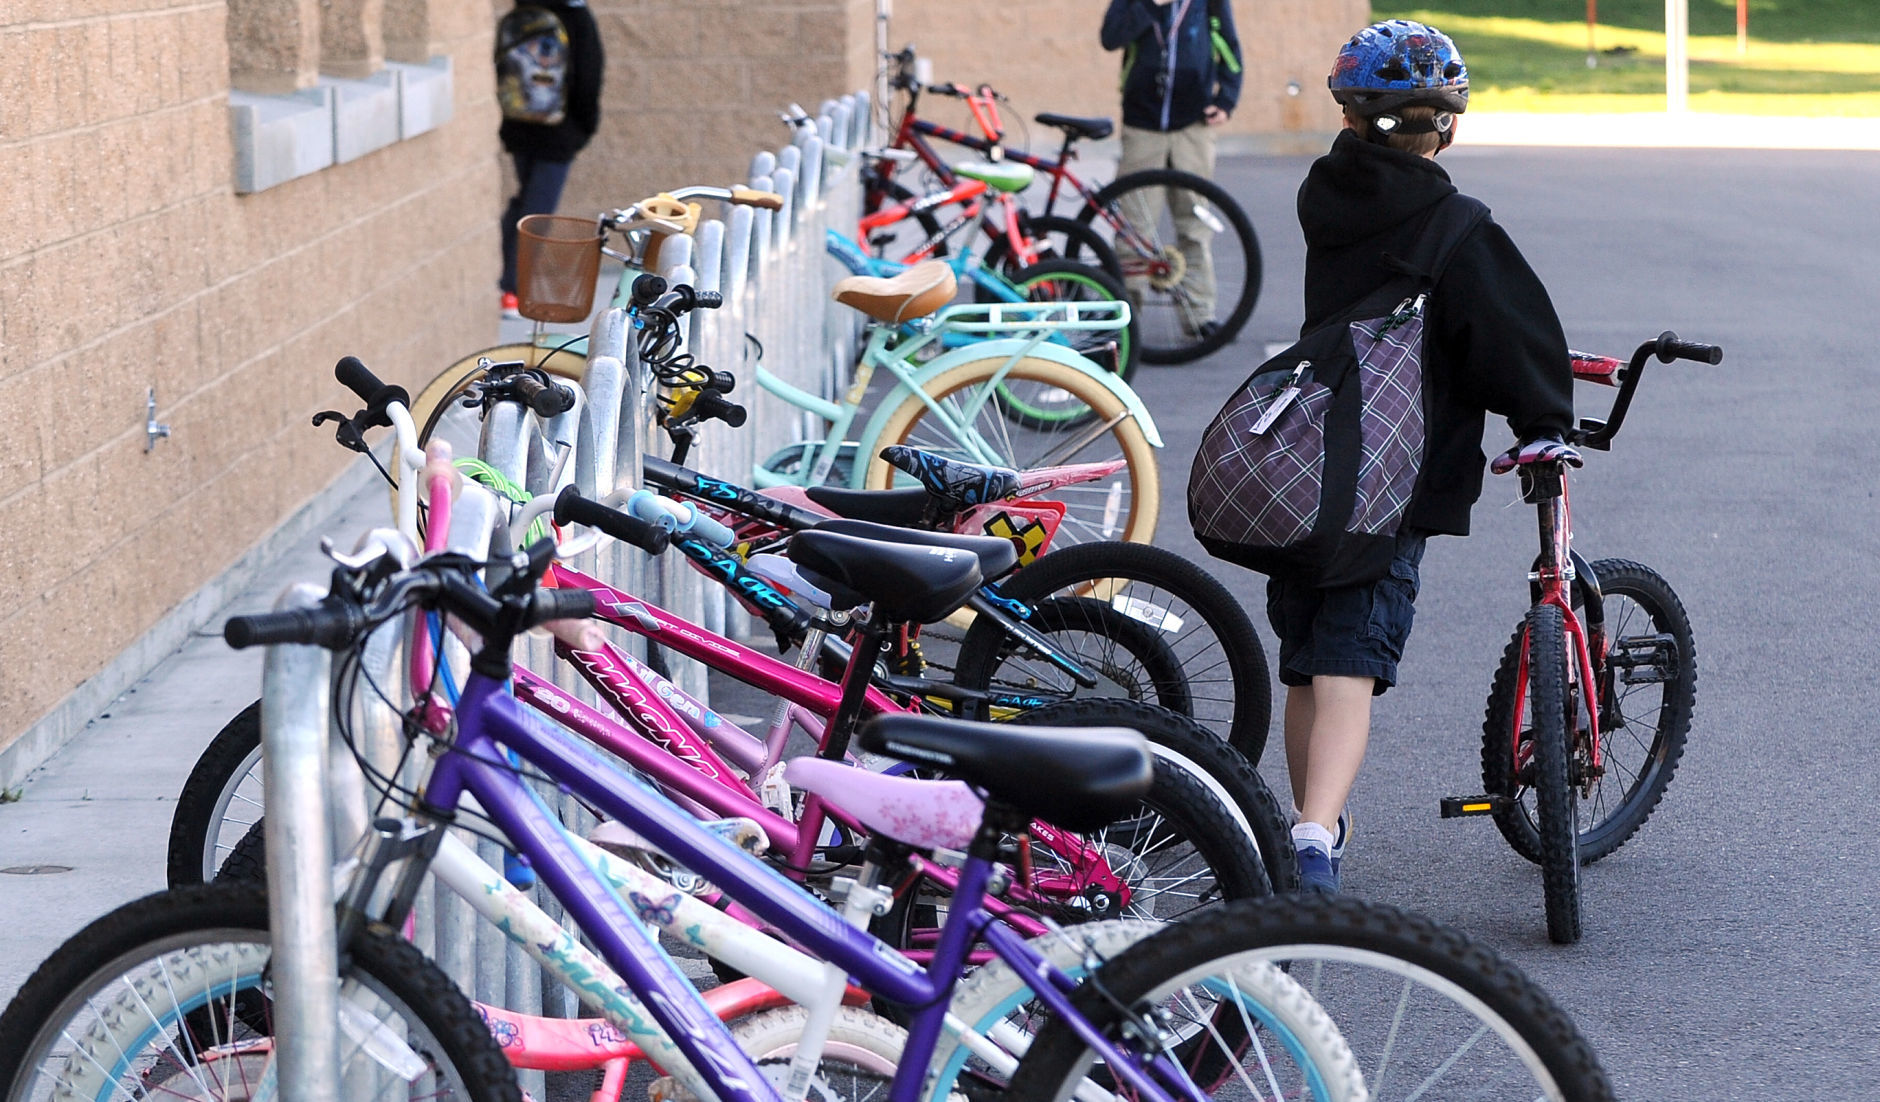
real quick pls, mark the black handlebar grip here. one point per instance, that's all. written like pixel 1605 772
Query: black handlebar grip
pixel 724 382
pixel 323 626
pixel 358 378
pixel 546 399
pixel 709 404
pixel 560 604
pixel 1671 348
pixel 708 300
pixel 571 506
pixel 647 288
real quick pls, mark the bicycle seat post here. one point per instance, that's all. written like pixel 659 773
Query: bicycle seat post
pixel 871 638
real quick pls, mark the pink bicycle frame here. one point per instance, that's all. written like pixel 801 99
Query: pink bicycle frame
pixel 587 1044
pixel 682 745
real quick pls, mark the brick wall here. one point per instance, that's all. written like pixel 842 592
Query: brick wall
pixel 1045 56
pixel 694 87
pixel 127 261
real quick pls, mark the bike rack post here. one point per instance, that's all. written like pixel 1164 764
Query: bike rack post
pixel 783 182
pixel 864 118
pixel 809 186
pixel 296 695
pixel 597 452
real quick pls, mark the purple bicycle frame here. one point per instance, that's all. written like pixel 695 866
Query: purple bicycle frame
pixel 489 720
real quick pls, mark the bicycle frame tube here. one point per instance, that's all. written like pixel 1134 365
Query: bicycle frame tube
pixel 752 667
pixel 675 769
pixel 913 136
pixel 1555 573
pixel 488 717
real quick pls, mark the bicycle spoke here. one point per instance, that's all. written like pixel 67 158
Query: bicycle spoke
pixel 1443 1068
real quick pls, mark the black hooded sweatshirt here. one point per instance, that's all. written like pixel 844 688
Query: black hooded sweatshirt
pixel 1493 342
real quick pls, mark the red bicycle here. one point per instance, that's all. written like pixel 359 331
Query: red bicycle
pixel 1592 702
pixel 1184 315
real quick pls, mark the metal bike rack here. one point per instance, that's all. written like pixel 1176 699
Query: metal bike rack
pixel 296 695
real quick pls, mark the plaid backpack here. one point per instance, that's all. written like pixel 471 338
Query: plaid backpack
pixel 1310 468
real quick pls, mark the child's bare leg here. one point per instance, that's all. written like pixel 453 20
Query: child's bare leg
pixel 1340 730
pixel 1299 714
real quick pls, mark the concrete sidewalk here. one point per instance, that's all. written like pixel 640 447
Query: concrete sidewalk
pixel 93 824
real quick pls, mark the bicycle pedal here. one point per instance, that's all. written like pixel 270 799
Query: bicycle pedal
pixel 1458 807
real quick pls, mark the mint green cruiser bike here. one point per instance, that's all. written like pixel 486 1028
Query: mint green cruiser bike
pixel 954 401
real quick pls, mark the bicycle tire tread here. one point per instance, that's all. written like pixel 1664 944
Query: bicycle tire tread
pixel 195 805
pixel 393 962
pixel 1336 921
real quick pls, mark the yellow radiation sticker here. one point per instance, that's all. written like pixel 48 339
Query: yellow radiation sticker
pixel 1030 538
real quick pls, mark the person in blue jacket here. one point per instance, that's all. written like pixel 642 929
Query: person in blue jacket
pixel 1181 79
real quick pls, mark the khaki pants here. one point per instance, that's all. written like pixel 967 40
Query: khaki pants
pixel 1190 149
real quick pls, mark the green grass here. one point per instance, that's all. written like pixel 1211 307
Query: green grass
pixel 1805 57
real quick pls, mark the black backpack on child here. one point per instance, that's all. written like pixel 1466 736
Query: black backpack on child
pixel 532 66
pixel 1310 468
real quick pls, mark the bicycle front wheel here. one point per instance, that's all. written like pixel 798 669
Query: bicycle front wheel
pixel 1123 506
pixel 1539 750
pixel 1647 692
pixel 439 413
pixel 169 997
pixel 1419 1011
pixel 1195 288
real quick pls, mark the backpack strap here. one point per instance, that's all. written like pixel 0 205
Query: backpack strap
pixel 1450 222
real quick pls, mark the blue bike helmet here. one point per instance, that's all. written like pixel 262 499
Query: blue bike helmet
pixel 1399 63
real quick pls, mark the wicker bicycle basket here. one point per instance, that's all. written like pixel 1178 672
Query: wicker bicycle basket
pixel 558 261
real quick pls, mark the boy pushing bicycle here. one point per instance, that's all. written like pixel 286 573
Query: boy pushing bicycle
pixel 1492 343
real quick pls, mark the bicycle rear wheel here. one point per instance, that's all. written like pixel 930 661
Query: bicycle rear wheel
pixel 1225 684
pixel 1057 238
pixel 1071 281
pixel 1157 266
pixel 1123 506
pixel 219 802
pixel 1420 1011
pixel 1180 851
pixel 168 997
pixel 1231 778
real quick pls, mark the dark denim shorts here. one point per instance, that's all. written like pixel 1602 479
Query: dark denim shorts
pixel 1350 631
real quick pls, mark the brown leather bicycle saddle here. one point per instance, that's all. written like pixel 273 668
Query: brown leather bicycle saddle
pixel 1094 128
pixel 915 293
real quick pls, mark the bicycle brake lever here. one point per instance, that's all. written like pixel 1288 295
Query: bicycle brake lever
pixel 348 433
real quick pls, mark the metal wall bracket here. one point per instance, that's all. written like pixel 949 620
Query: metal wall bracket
pixel 153 431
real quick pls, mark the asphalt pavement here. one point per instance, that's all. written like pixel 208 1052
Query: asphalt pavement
pixel 1729 949
pixel 1732 946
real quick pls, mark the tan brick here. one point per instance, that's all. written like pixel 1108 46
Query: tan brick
pixel 24 446
pixel 44 95
pixel 52 165
pixel 18 339
pixel 86 399
pixel 73 297
pixel 672 35
pixel 15 85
